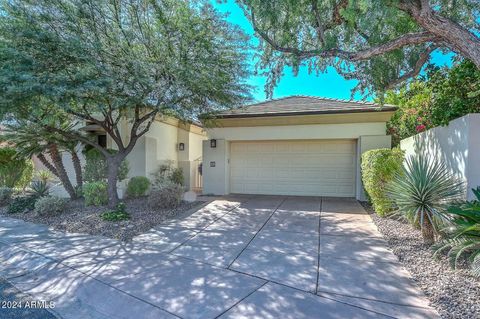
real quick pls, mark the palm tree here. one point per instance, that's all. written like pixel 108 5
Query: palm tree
pixel 31 140
pixel 421 193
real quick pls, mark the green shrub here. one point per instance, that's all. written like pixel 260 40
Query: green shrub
pixel 422 191
pixel 39 188
pixel 50 205
pixel 118 214
pixel 5 195
pixel 166 195
pixel 378 169
pixel 22 204
pixel 463 236
pixel 14 171
pixel 95 193
pixel 96 167
pixel 166 173
pixel 137 186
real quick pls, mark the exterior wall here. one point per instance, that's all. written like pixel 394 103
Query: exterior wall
pixel 457 145
pixel 216 179
pixel 366 143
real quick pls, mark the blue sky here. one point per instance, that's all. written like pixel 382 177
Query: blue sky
pixel 329 84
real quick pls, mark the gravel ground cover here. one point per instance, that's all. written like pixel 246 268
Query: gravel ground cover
pixel 454 293
pixel 16 305
pixel 79 218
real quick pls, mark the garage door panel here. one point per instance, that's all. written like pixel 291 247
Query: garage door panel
pixel 293 168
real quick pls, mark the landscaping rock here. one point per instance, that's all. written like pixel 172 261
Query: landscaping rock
pixel 454 293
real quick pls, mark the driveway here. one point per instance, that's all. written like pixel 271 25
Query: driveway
pixel 236 257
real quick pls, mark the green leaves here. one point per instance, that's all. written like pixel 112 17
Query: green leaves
pixel 422 192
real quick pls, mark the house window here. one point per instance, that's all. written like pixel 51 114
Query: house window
pixel 102 140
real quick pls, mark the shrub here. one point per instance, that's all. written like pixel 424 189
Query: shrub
pixel 463 235
pixel 116 215
pixel 96 167
pixel 14 171
pixel 137 186
pixel 166 173
pixel 378 169
pixel 39 188
pixel 50 205
pixel 5 195
pixel 95 193
pixel 166 195
pixel 44 175
pixel 422 192
pixel 22 204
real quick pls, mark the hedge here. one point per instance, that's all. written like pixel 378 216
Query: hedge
pixel 378 168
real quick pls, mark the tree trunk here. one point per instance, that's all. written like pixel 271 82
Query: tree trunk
pixel 454 35
pixel 62 173
pixel 47 164
pixel 78 168
pixel 113 163
pixel 428 233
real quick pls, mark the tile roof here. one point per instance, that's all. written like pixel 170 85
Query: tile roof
pixel 304 105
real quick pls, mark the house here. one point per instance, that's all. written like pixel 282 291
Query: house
pixel 169 141
pixel 298 145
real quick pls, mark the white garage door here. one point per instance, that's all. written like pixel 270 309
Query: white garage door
pixel 310 168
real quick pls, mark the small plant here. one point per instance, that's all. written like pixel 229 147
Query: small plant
pixel 5 195
pixel 118 214
pixel 95 193
pixel 167 173
pixel 39 188
pixel 50 205
pixel 166 195
pixel 96 166
pixel 463 235
pixel 22 204
pixel 44 176
pixel 378 168
pixel 422 192
pixel 137 186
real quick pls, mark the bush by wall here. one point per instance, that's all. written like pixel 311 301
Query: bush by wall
pixel 378 168
pixel 96 167
pixel 50 205
pixel 168 173
pixel 14 172
pixel 138 186
pixel 95 193
pixel 166 195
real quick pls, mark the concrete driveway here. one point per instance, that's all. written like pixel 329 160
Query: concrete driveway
pixel 237 257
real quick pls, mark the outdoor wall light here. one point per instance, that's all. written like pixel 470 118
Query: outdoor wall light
pixel 213 143
pixel 181 146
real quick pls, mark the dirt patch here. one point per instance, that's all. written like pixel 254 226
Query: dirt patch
pixel 79 218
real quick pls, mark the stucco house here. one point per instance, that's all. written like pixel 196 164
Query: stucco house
pixel 298 145
pixel 169 140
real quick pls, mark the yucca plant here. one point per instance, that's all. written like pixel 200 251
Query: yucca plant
pixel 421 193
pixel 463 235
pixel 39 188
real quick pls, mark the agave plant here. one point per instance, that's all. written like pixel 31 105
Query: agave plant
pixel 39 188
pixel 463 235
pixel 422 191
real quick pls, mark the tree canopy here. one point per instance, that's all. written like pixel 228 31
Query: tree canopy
pixel 379 42
pixel 440 96
pixel 107 61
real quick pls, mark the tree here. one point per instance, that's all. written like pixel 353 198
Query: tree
pixel 379 42
pixel 441 95
pixel 109 62
pixel 31 139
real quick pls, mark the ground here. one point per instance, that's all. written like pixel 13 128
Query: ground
pixel 237 257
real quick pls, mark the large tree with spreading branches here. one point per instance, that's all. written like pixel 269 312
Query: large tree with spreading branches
pixel 379 42
pixel 107 61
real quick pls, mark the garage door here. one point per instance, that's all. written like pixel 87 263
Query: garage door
pixel 311 168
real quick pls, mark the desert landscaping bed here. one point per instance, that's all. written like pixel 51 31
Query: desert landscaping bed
pixel 454 293
pixel 79 218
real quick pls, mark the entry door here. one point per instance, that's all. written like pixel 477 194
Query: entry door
pixel 308 168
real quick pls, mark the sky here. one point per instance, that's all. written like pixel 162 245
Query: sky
pixel 329 84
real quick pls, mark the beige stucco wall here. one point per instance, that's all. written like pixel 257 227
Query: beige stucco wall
pixel 216 179
pixel 457 145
